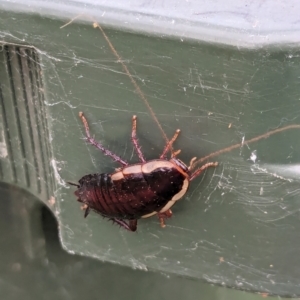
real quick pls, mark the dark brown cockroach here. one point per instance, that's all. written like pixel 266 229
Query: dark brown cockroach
pixel 138 190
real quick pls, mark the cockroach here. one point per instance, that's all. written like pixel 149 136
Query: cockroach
pixel 139 190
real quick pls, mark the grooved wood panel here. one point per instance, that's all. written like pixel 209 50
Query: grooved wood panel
pixel 24 138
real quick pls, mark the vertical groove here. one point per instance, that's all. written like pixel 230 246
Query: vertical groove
pixel 33 65
pixel 16 111
pixel 24 89
pixel 41 98
pixel 1 170
pixel 7 137
pixel 4 135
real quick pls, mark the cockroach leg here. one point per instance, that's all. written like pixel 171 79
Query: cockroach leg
pixel 162 216
pixel 135 140
pixel 97 144
pixel 169 144
pixel 132 224
pixel 192 163
pixel 120 222
pixel 84 206
pixel 166 214
pixel 87 211
pixel 72 183
pixel 174 154
pixel 203 168
pixel 162 222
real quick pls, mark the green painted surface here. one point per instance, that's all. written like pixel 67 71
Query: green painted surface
pixel 238 224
